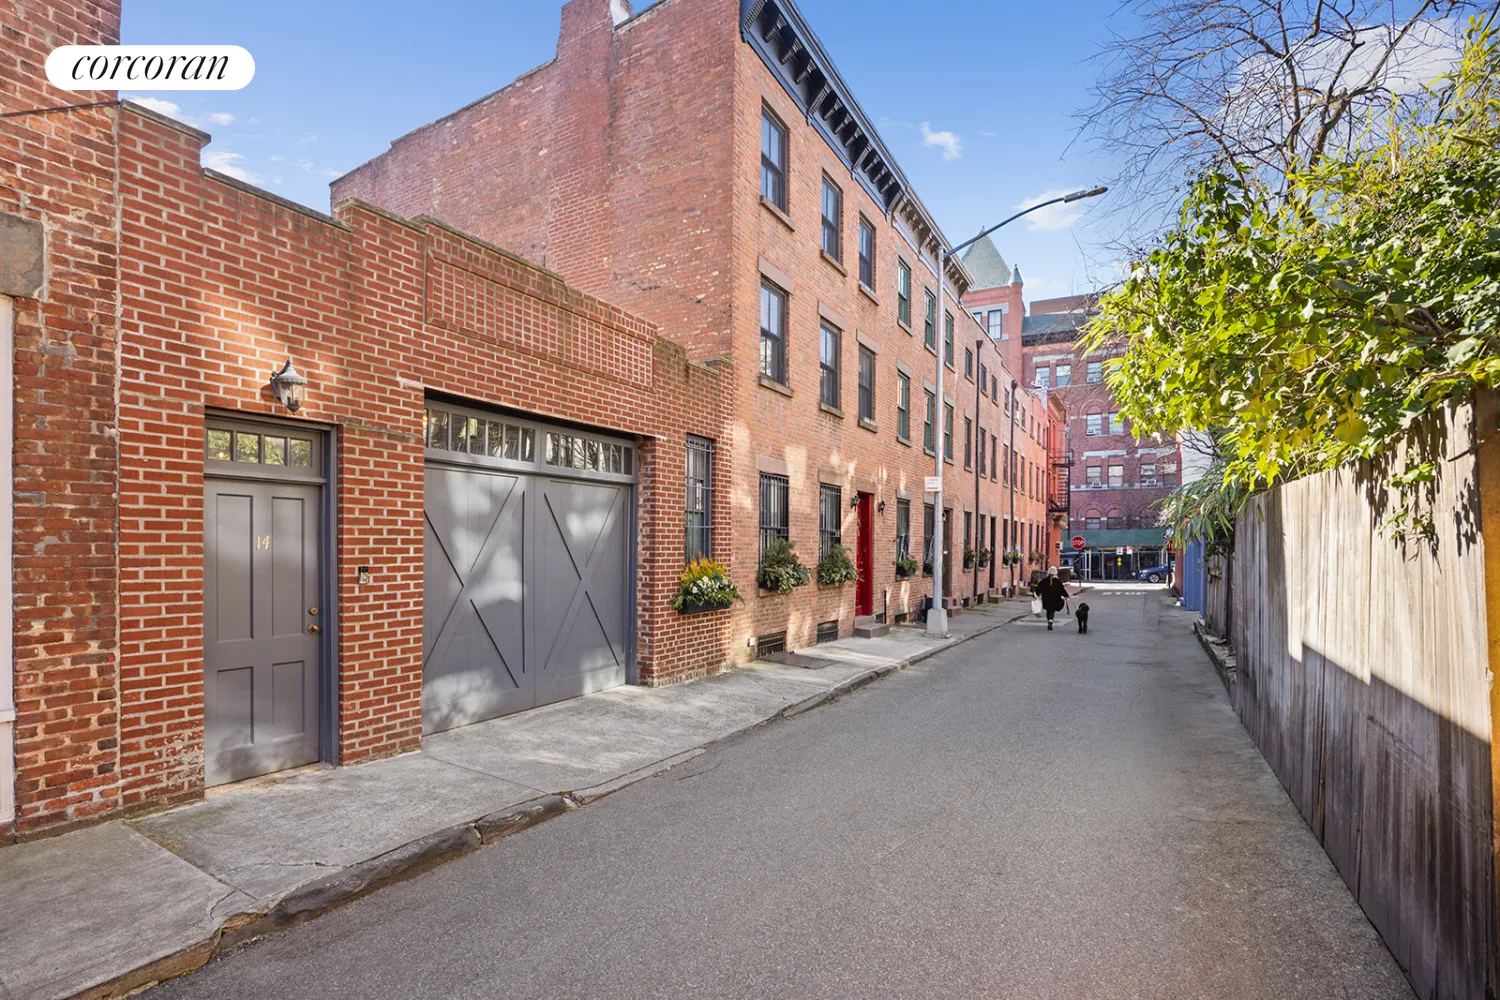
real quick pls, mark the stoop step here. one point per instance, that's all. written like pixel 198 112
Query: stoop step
pixel 866 627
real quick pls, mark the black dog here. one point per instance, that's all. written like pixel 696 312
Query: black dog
pixel 1082 614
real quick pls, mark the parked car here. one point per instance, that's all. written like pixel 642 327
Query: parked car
pixel 1156 574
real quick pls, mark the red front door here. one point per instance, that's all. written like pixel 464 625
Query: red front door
pixel 864 558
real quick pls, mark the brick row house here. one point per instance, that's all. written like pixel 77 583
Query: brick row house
pixel 293 487
pixel 1116 482
pixel 995 300
pixel 703 164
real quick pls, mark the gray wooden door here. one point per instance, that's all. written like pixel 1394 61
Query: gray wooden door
pixel 474 608
pixel 527 596
pixel 261 625
pixel 582 587
pixel 526 592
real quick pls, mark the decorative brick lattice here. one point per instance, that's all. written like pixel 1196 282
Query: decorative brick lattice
pixel 472 302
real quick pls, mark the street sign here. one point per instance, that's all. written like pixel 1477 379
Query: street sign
pixel 1130 550
pixel 1078 542
pixel 933 483
pixel 1119 550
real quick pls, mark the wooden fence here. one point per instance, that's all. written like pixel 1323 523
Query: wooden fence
pixel 1363 678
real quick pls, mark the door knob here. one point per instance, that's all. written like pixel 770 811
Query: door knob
pixel 314 630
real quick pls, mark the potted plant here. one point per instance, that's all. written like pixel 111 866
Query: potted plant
pixel 836 568
pixel 1012 557
pixel 983 557
pixel 704 586
pixel 780 571
pixel 906 567
pixel 968 558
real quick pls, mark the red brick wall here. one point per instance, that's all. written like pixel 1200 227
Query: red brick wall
pixel 608 164
pixel 59 169
pixel 667 109
pixel 1009 296
pixel 1079 399
pixel 219 284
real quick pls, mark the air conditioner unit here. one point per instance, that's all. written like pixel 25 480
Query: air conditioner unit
pixel 1096 486
pixel 1148 482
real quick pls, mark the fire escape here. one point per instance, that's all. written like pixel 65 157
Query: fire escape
pixel 1062 471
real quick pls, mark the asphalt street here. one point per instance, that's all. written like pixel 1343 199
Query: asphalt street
pixel 1029 815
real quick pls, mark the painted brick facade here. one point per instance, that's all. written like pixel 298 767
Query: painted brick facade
pixel 58 169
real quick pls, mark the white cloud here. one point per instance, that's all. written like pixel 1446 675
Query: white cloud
pixel 309 167
pixel 1053 217
pixel 221 118
pixel 227 163
pixel 160 106
pixel 950 143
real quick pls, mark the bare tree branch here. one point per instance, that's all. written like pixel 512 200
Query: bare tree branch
pixel 1265 84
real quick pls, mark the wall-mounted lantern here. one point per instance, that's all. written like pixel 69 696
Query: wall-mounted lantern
pixel 880 507
pixel 287 385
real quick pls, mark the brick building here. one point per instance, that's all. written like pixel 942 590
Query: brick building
pixel 59 287
pixel 209 583
pixel 703 164
pixel 1114 481
pixel 995 301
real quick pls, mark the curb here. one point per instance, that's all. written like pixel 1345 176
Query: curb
pixel 1226 664
pixel 328 893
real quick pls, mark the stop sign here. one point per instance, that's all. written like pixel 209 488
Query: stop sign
pixel 1078 542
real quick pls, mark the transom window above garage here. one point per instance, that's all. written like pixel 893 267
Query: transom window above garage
pixel 502 440
pixel 574 451
pixel 478 436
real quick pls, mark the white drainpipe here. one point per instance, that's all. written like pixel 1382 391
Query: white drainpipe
pixel 7 525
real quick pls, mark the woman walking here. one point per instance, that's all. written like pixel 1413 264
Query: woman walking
pixel 1054 594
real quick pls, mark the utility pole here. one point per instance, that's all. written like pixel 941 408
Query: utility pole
pixel 1010 474
pixel 978 385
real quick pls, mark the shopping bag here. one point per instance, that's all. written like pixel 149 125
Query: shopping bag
pixel 1036 606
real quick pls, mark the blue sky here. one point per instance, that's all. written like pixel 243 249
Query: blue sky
pixel 995 84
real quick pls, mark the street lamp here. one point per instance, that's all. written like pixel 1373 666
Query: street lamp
pixel 937 615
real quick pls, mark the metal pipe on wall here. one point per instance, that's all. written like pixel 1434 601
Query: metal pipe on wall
pixel 7 496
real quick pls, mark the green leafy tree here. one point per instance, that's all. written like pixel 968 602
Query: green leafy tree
pixel 1317 322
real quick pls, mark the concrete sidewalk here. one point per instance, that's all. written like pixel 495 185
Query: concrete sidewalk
pixel 106 910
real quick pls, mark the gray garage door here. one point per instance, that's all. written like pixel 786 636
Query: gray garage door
pixel 527 592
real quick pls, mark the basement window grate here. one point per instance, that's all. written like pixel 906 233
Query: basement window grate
pixel 828 631
pixel 765 645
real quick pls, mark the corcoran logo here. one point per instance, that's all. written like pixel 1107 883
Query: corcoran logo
pixel 150 67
